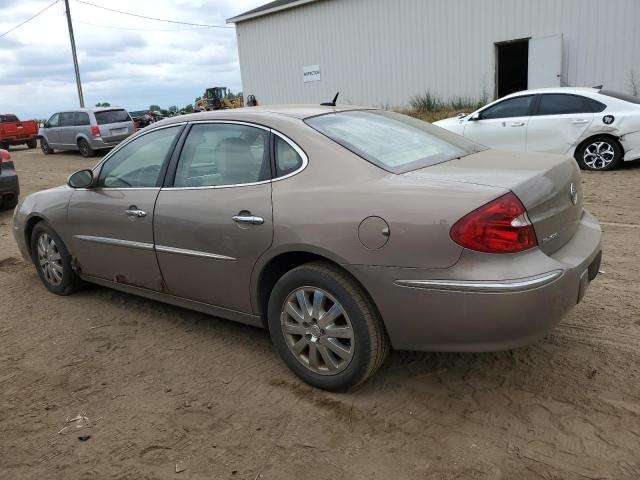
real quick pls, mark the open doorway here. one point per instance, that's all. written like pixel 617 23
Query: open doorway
pixel 512 66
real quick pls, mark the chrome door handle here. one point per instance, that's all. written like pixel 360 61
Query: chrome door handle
pixel 518 124
pixel 250 219
pixel 135 213
pixel 580 122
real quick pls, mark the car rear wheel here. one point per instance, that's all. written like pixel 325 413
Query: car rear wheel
pixel 325 328
pixel 32 144
pixel 600 153
pixel 85 148
pixel 45 147
pixel 52 261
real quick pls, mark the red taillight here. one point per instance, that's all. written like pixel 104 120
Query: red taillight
pixel 500 226
pixel 95 131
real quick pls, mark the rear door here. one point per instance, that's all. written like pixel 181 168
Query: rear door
pixel 115 125
pixel 558 122
pixel 502 125
pixel 214 219
pixel 67 130
pixel 111 224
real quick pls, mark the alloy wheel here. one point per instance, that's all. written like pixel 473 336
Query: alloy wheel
pixel 599 155
pixel 50 260
pixel 317 330
pixel 84 148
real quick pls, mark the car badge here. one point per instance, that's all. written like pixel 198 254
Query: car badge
pixel 573 193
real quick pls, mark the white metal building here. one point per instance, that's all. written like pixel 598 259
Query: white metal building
pixel 382 52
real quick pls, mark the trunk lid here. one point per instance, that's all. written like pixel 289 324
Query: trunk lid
pixel 543 183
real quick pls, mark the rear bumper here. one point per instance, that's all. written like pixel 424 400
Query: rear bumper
pixel 485 302
pixel 19 140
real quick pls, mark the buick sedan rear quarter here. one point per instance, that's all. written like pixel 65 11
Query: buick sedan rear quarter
pixel 343 231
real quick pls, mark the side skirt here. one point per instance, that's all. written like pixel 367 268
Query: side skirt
pixel 246 318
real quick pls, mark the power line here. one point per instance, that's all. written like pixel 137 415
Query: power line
pixel 153 18
pixel 30 18
pixel 141 29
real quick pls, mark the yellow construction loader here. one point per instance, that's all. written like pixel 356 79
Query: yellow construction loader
pixel 216 98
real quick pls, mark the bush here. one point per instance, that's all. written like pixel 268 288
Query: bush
pixel 429 107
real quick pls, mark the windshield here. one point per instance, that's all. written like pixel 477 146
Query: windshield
pixel 112 116
pixel 620 96
pixel 394 142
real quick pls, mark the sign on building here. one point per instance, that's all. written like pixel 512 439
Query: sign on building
pixel 311 73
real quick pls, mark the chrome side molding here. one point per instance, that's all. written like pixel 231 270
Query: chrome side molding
pixel 115 241
pixel 193 253
pixel 482 286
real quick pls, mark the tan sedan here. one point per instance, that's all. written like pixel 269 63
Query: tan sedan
pixel 344 231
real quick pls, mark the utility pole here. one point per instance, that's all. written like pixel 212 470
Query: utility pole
pixel 73 51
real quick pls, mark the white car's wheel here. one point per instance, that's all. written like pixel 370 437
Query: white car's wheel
pixel 600 153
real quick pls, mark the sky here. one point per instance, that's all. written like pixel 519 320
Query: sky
pixel 133 66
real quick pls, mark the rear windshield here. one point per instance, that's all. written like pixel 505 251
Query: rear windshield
pixel 8 118
pixel 394 142
pixel 620 96
pixel 112 116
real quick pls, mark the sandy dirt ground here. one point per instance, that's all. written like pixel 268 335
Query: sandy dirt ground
pixel 162 392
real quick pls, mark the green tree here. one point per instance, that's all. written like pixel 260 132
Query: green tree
pixel 164 112
pixel 173 108
pixel 188 108
pixel 103 104
pixel 154 108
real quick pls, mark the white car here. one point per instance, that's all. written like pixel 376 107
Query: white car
pixel 600 128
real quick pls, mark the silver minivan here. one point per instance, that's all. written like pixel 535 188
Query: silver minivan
pixel 86 130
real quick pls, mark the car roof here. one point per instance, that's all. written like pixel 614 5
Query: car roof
pixel 295 111
pixel 575 90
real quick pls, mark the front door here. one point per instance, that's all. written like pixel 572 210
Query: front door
pixel 52 130
pixel 112 223
pixel 502 125
pixel 215 219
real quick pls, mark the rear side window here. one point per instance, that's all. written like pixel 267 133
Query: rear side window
pixel 81 118
pixel 287 159
pixel 512 107
pixel 620 96
pixel 8 118
pixel 66 119
pixel 394 142
pixel 216 154
pixel 562 104
pixel 112 116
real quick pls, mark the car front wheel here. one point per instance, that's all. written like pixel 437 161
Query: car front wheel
pixel 325 328
pixel 45 147
pixel 52 261
pixel 600 153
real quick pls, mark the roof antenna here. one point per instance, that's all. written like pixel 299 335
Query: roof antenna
pixel 331 103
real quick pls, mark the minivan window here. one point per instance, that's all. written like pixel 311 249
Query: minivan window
pixel 53 121
pixel 620 96
pixel 81 118
pixel 66 119
pixel 112 116
pixel 394 142
pixel 562 104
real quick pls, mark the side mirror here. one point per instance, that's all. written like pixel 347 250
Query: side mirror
pixel 81 179
pixel 42 125
pixel 474 117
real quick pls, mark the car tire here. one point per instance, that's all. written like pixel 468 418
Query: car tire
pixel 600 153
pixel 52 261
pixel 45 147
pixel 32 144
pixel 334 352
pixel 4 146
pixel 9 205
pixel 85 148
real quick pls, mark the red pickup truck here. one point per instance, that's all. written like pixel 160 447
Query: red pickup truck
pixel 15 132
